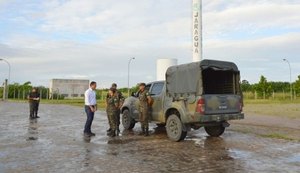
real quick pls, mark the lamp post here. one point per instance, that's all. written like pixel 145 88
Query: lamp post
pixel 8 76
pixel 129 61
pixel 291 90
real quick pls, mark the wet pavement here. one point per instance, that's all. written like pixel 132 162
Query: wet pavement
pixel 54 143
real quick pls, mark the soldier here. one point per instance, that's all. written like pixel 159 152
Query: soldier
pixel 121 100
pixel 144 105
pixel 113 103
pixel 34 100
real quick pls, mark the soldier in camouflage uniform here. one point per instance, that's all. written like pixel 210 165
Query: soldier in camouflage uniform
pixel 144 105
pixel 121 99
pixel 112 108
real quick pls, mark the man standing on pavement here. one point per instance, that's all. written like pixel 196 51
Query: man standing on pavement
pixel 121 101
pixel 34 100
pixel 90 108
pixel 145 103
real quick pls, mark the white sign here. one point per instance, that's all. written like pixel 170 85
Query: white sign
pixel 197 30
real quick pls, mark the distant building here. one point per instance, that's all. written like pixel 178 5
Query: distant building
pixel 68 88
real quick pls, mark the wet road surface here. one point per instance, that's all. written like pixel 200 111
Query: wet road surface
pixel 54 143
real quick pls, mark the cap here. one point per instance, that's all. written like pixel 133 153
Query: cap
pixel 114 85
pixel 142 84
pixel 112 89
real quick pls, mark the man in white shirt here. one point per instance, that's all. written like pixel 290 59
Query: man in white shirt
pixel 90 108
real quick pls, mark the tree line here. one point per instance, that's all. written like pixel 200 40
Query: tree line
pixel 263 89
pixel 266 89
pixel 21 91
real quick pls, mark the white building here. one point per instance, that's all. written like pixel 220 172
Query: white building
pixel 68 88
pixel 162 66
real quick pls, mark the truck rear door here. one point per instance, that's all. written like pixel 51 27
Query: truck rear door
pixel 221 104
pixel 221 91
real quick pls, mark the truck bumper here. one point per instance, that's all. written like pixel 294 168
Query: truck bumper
pixel 221 117
pixel 199 118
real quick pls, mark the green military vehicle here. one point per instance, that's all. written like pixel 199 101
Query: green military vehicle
pixel 199 94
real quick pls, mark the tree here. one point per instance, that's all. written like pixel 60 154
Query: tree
pixel 280 86
pixel 263 88
pixel 19 91
pixel 246 86
pixel 297 86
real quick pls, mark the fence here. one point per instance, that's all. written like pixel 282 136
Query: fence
pixel 274 95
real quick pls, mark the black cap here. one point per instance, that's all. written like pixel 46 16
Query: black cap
pixel 114 85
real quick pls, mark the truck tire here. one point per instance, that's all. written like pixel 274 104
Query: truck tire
pixel 174 128
pixel 127 121
pixel 215 131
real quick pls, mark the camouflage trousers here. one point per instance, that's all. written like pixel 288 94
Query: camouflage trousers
pixel 144 118
pixel 112 119
pixel 118 117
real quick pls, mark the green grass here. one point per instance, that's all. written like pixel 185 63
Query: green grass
pixel 277 136
pixel 72 102
pixel 266 135
pixel 270 101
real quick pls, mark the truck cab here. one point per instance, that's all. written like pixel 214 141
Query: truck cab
pixel 200 94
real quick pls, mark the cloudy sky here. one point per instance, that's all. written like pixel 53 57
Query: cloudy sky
pixel 94 39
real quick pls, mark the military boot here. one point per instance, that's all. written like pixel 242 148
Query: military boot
pixel 113 133
pixel 109 132
pixel 146 132
pixel 142 132
pixel 118 131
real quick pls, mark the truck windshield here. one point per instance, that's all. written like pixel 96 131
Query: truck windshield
pixel 219 81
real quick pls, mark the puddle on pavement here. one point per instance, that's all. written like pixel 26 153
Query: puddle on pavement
pixel 55 143
pixel 294 159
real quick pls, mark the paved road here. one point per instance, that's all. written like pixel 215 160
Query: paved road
pixel 54 143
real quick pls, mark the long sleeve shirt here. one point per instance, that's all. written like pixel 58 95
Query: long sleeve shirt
pixel 90 97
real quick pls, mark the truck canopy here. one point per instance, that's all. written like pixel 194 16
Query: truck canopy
pixel 205 76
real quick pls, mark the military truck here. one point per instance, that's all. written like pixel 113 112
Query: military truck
pixel 199 94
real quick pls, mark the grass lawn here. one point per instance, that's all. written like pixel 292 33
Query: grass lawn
pixel 282 108
pixel 72 102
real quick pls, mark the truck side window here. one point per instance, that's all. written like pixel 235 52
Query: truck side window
pixel 148 87
pixel 157 88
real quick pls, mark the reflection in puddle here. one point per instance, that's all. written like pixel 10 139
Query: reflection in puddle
pixel 32 130
pixel 87 157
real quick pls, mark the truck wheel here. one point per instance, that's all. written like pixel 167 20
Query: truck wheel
pixel 127 121
pixel 214 131
pixel 175 129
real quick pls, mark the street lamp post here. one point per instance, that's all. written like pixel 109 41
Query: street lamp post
pixel 291 90
pixel 129 61
pixel 8 76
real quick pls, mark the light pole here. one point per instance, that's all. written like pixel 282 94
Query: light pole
pixel 8 76
pixel 291 90
pixel 129 61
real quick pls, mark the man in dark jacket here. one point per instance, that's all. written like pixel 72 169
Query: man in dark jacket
pixel 34 101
